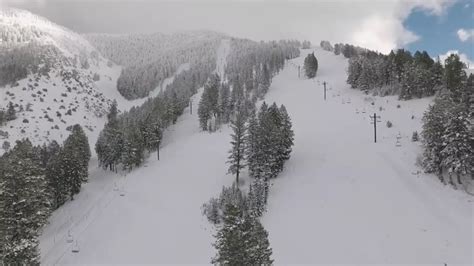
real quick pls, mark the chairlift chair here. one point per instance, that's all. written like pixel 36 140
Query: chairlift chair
pixel 75 248
pixel 69 238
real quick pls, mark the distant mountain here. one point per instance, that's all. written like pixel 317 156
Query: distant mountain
pixel 149 59
pixel 52 77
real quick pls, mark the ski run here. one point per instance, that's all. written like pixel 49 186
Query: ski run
pixel 341 199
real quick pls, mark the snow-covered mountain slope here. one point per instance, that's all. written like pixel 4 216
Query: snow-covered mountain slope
pixel 60 82
pixel 55 78
pixel 159 219
pixel 19 27
pixel 341 198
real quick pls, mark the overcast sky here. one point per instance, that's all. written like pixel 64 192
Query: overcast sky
pixel 375 24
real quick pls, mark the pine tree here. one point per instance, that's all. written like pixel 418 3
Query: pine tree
pixel 458 155
pixel 310 65
pixel 253 146
pixel 454 75
pixel 11 113
pixel 224 103
pixel 231 239
pixel 75 159
pixel 237 153
pixel 133 149
pixel 287 135
pixel 25 199
pixel 208 106
pixel 434 124
pixel 258 245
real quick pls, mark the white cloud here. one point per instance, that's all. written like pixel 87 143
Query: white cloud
pixel 464 58
pixel 465 35
pixel 374 24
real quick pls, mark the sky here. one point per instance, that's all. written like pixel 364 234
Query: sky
pixel 437 26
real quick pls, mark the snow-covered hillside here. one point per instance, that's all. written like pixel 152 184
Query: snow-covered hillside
pixel 66 81
pixel 345 199
pixel 341 198
pixel 64 87
pixel 159 215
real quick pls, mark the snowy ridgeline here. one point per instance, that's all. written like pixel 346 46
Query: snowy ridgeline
pixel 150 59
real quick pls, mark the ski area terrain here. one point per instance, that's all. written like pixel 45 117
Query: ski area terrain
pixel 341 199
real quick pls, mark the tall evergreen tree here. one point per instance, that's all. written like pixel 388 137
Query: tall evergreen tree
pixel 11 113
pixel 454 75
pixel 311 65
pixel 25 199
pixel 458 154
pixel 237 153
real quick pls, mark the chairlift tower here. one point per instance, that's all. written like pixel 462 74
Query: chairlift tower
pixel 374 120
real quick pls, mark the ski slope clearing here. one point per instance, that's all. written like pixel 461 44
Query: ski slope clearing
pixel 341 198
pixel 344 199
pixel 153 214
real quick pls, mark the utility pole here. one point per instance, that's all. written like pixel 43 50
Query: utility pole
pixel 324 83
pixel 375 119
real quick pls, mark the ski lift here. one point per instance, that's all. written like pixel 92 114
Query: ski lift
pixel 398 144
pixel 399 136
pixel 122 192
pixel 357 111
pixel 75 248
pixel 363 111
pixel 69 238
pixel 349 101
pixel 115 186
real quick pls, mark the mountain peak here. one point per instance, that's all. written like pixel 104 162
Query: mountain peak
pixel 20 27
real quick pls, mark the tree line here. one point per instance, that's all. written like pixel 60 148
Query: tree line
pixel 262 142
pixel 34 181
pixel 448 134
pixel 127 138
pixel 149 59
pixel 248 75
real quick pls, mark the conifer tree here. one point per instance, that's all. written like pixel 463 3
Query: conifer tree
pixel 458 154
pixel 454 75
pixel 25 205
pixel 237 153
pixel 11 113
pixel 310 65
pixel 259 247
pixel 231 239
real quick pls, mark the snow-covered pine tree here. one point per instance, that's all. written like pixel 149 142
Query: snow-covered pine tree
pixel 408 82
pixel 259 250
pixel 208 106
pixel 238 142
pixel 264 82
pixel 75 159
pixel 310 65
pixel 224 104
pixel 231 239
pixel 11 113
pixel 253 148
pixel 354 71
pixel 435 120
pixel 133 149
pixel 455 75
pixel 287 134
pixel 458 154
pixel 25 205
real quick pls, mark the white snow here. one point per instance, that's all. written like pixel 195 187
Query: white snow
pixel 159 219
pixel 341 198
